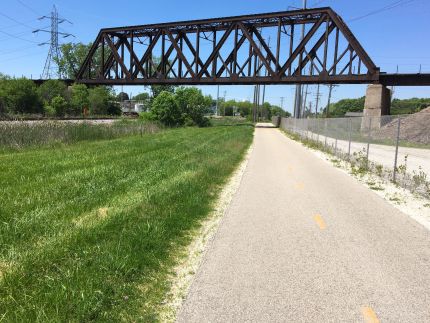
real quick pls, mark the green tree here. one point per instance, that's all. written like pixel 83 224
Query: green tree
pixel 72 57
pixel 340 108
pixel 166 110
pixel 157 89
pixel 144 96
pixel 122 96
pixel 51 89
pixel 193 105
pixel 59 105
pixel 79 98
pixel 99 98
pixel 20 96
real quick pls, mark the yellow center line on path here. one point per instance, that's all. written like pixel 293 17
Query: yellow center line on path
pixel 369 315
pixel 320 221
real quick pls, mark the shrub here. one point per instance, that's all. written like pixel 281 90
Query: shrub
pixel 51 89
pixel 99 100
pixel 166 110
pixel 79 98
pixel 114 108
pixel 147 116
pixel 20 96
pixel 193 105
pixel 48 110
pixel 59 105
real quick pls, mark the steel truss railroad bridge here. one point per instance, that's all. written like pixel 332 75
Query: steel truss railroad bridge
pixel 271 48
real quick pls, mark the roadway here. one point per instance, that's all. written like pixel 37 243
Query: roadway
pixel 304 242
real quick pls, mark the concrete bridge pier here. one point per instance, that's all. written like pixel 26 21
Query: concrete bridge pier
pixel 377 104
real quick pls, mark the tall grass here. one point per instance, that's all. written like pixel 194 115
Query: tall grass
pixel 89 232
pixel 21 134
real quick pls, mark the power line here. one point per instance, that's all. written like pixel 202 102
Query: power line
pixel 18 37
pixel 14 20
pixel 393 5
pixel 28 7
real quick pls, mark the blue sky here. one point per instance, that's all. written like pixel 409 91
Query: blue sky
pixel 400 36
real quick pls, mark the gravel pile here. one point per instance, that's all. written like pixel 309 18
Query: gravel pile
pixel 413 128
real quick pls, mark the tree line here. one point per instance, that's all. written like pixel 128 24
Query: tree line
pixel 398 106
pixel 54 99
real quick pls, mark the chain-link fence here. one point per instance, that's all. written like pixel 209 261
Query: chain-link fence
pixel 395 147
pixel 21 134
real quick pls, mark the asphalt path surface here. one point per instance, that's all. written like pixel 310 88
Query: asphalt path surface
pixel 304 242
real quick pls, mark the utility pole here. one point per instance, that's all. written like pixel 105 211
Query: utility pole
pixel 217 101
pixel 317 99
pixel 327 111
pixel 298 96
pixel 225 95
pixel 54 53
pixel 282 102
pixel 305 98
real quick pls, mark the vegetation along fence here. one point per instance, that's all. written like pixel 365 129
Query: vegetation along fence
pixel 21 134
pixel 394 147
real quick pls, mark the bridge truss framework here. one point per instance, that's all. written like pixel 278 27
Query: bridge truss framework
pixel 291 47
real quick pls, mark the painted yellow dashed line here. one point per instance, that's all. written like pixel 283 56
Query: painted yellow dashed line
pixel 299 186
pixel 369 315
pixel 320 221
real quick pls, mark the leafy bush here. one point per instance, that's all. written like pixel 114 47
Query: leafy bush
pixel 51 89
pixel 114 109
pixel 59 105
pixel 48 110
pixel 79 98
pixel 20 96
pixel 147 116
pixel 193 105
pixel 99 100
pixel 166 110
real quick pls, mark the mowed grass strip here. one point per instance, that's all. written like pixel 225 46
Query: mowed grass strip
pixel 90 232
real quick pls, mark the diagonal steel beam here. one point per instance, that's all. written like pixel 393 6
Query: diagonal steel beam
pixel 135 59
pixel 193 51
pixel 301 46
pixel 230 57
pixel 119 60
pixel 313 52
pixel 215 52
pixel 180 53
pixel 266 48
pixel 255 47
pixel 148 52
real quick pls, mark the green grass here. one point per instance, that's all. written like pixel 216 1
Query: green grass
pixel 230 121
pixel 91 231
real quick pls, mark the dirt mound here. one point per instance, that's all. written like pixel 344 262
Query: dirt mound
pixel 414 128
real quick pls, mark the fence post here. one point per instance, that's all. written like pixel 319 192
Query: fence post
pixel 368 139
pixel 350 137
pixel 397 150
pixel 335 147
pixel 325 133
pixel 317 122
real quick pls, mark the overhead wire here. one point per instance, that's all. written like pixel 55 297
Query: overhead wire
pixel 393 5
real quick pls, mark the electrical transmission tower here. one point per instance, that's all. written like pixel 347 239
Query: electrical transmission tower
pixel 54 54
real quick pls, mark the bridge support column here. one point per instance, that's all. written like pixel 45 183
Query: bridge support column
pixel 377 104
